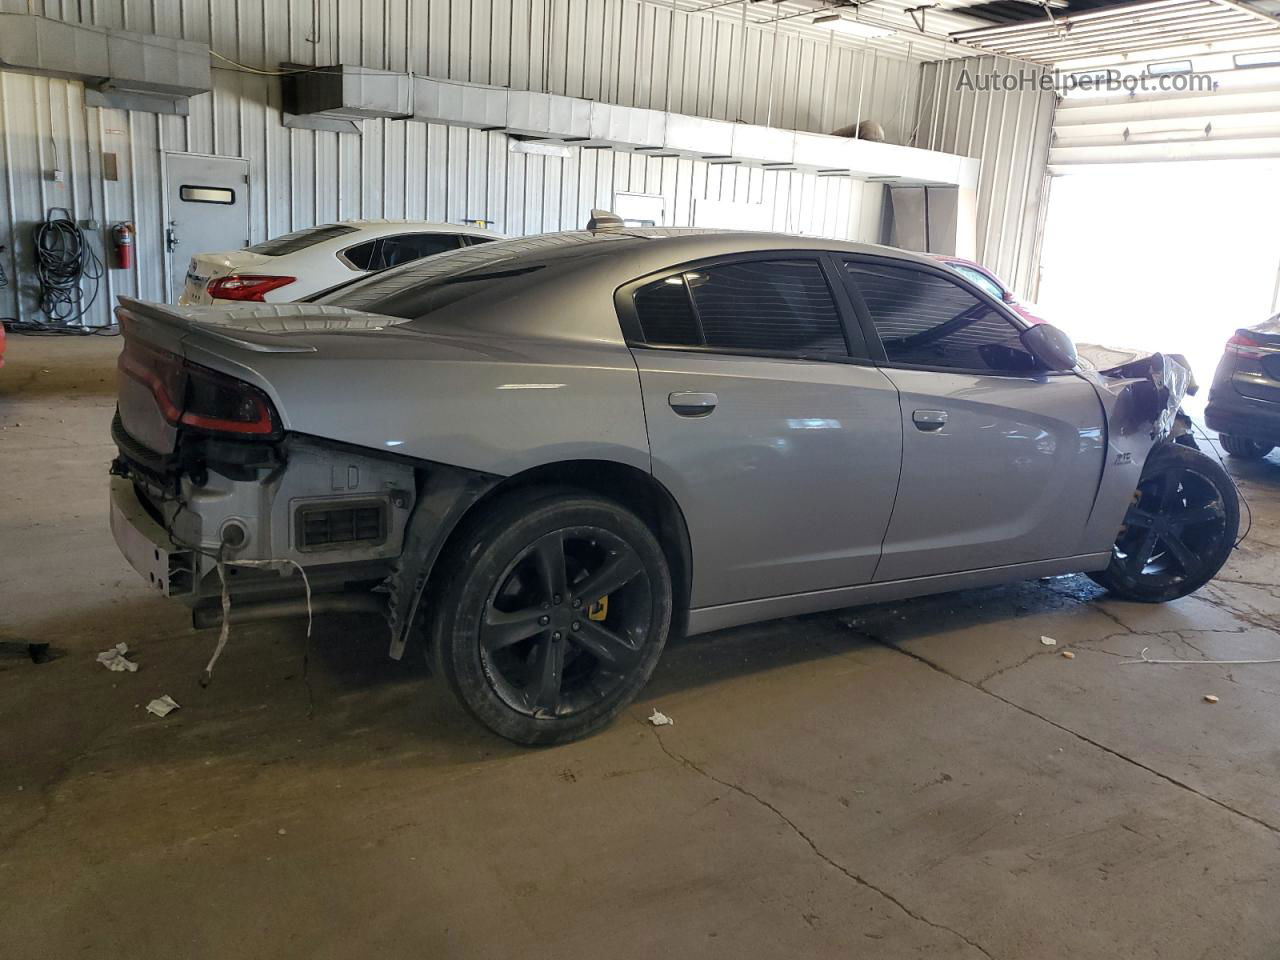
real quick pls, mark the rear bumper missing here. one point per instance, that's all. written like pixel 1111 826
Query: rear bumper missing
pixel 146 544
pixel 170 518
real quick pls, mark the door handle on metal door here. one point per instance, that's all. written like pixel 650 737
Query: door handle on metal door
pixel 693 404
pixel 929 420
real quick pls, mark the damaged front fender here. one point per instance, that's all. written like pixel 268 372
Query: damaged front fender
pixel 1141 395
pixel 1148 387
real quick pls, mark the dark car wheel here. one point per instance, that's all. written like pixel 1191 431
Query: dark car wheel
pixel 554 615
pixel 1243 447
pixel 1179 530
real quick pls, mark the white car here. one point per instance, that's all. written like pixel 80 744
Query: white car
pixel 299 264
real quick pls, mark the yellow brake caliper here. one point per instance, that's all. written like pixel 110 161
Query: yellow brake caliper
pixel 599 610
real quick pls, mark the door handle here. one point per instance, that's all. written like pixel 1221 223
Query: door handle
pixel 929 420
pixel 693 404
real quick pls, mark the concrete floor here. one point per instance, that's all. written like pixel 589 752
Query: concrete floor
pixel 918 779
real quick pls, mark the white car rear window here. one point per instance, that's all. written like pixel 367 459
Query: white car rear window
pixel 301 239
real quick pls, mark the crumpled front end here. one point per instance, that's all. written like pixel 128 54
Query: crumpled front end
pixel 1142 397
pixel 1149 388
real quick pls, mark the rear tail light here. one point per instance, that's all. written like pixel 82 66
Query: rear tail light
pixel 193 396
pixel 1244 345
pixel 246 286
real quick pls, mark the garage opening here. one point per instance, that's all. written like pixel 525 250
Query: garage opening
pixel 1174 256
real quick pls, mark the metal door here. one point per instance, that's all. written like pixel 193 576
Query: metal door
pixel 785 469
pixel 995 471
pixel 207 210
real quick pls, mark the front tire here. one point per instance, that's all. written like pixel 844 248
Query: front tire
pixel 1242 447
pixel 1179 531
pixel 554 615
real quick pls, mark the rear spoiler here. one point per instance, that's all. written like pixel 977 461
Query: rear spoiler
pixel 261 327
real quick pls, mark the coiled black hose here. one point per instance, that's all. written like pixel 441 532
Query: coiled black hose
pixel 64 259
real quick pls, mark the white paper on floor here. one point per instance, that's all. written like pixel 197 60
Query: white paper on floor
pixel 116 661
pixel 661 719
pixel 162 706
pixel 1049 641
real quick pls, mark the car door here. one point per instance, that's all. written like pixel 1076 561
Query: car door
pixel 1001 460
pixel 778 438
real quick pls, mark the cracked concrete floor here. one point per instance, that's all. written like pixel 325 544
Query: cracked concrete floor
pixel 917 779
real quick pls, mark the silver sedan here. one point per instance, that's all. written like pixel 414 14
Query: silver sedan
pixel 539 458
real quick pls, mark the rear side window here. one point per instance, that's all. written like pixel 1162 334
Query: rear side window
pixel 407 247
pixel 301 239
pixel 756 306
pixel 666 313
pixel 925 320
pixel 362 255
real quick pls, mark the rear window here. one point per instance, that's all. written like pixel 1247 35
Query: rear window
pixel 301 239
pixel 419 288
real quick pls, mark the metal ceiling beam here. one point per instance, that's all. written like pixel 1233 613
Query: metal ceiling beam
pixel 1076 37
pixel 1080 19
pixel 1158 25
pixel 1135 46
pixel 1252 11
pixel 1205 31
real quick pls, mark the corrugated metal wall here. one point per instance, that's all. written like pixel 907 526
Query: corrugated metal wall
pixel 632 52
pixel 1009 131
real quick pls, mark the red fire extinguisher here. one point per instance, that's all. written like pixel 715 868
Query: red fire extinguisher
pixel 122 241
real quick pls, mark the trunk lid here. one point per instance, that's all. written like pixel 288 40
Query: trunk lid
pixel 205 267
pixel 1256 361
pixel 159 338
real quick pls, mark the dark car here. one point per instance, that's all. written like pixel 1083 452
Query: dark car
pixel 1244 401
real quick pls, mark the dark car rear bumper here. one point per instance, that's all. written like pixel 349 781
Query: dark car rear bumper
pixel 1240 416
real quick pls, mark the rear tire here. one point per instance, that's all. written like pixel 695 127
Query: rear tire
pixel 1243 447
pixel 520 631
pixel 1179 531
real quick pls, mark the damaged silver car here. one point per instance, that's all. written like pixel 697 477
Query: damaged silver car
pixel 539 458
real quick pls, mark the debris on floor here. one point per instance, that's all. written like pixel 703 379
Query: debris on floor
pixel 114 659
pixel 660 719
pixel 1068 655
pixel 162 706
pixel 1210 698
pixel 1049 641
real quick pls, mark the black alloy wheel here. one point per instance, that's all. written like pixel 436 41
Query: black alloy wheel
pixel 1179 530
pixel 555 615
pixel 566 623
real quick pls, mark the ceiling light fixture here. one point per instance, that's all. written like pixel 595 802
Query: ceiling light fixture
pixel 851 28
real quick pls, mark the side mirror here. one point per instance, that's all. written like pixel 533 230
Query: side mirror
pixel 1053 348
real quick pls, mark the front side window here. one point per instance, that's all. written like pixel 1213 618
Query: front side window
pixel 926 320
pixel 755 306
